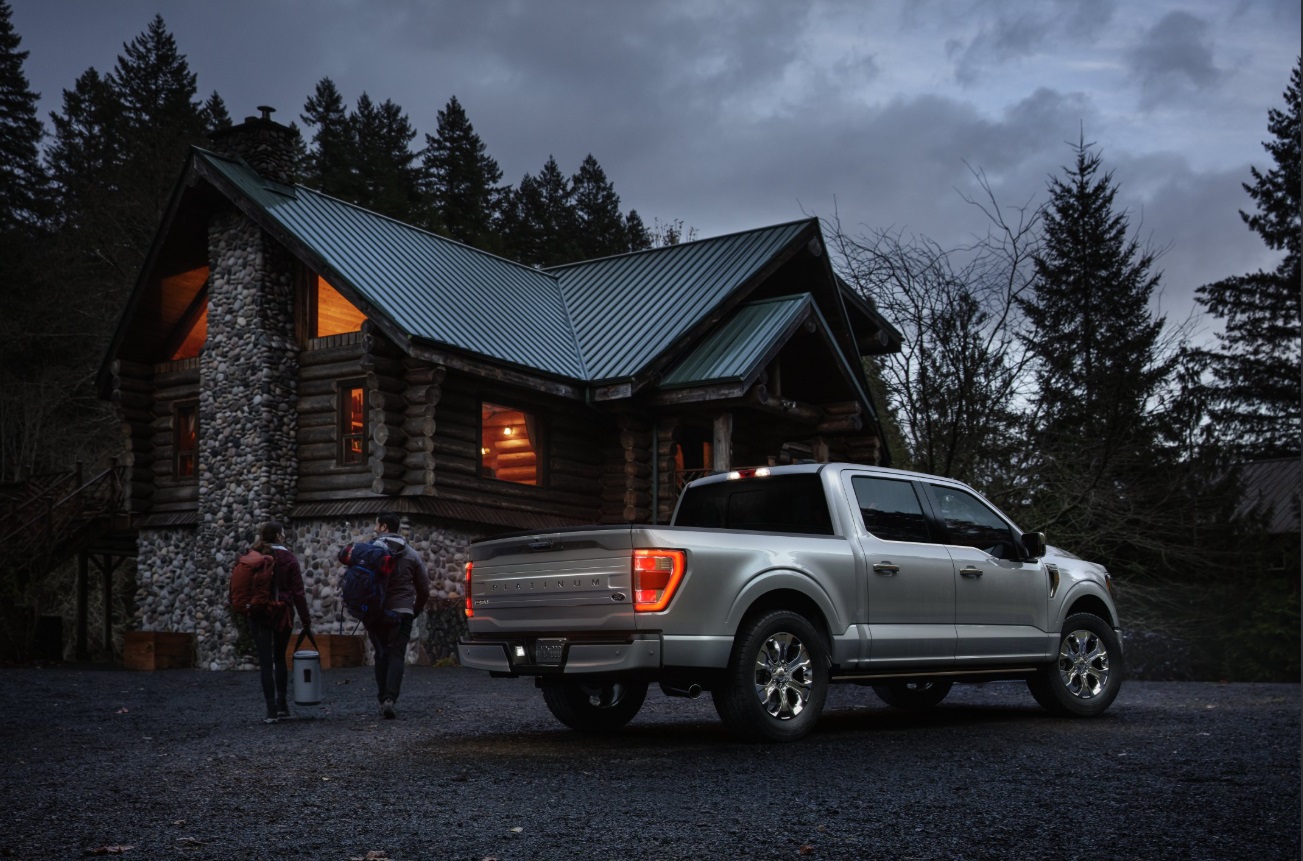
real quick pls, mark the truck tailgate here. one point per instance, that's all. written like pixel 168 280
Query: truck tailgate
pixel 555 582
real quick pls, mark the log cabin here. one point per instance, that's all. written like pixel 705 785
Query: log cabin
pixel 286 355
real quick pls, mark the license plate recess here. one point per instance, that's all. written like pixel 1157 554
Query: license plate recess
pixel 548 650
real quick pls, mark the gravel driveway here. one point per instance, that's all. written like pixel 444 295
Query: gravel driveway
pixel 175 764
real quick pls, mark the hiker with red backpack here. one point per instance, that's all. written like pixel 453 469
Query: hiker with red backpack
pixel 267 587
pixel 406 592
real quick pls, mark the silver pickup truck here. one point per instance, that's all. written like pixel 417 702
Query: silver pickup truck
pixel 772 583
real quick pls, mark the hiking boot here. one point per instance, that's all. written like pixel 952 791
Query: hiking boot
pixel 387 710
pixel 282 709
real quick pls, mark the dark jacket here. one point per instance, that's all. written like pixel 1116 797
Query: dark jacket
pixel 289 583
pixel 408 588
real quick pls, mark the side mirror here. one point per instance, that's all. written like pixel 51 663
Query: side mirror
pixel 1034 544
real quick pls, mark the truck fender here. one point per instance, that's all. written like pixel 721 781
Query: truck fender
pixel 772 580
pixel 1074 594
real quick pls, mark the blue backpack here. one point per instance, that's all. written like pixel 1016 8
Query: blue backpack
pixel 367 573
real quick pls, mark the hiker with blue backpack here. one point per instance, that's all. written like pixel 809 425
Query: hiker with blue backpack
pixel 385 587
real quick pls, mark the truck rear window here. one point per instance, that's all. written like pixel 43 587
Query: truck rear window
pixel 786 503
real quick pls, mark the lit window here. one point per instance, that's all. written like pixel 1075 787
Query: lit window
pixel 332 314
pixel 183 312
pixel 352 424
pixel 185 440
pixel 195 336
pixel 510 447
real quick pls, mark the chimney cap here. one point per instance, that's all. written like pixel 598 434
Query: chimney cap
pixel 267 111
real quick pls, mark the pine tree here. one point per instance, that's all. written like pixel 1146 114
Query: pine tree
pixel 331 162
pixel 1094 341
pixel 84 162
pixel 637 233
pixel 539 226
pixel 462 181
pixel 1255 392
pixel 24 276
pixel 387 180
pixel 1098 477
pixel 118 147
pixel 22 179
pixel 601 227
pixel 161 119
pixel 363 157
pixel 215 115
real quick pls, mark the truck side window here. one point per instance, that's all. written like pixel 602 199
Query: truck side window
pixel 890 509
pixel 972 523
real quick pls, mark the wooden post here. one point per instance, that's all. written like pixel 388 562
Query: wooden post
pixel 722 444
pixel 83 594
pixel 107 580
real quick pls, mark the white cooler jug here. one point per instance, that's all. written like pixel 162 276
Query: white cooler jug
pixel 307 673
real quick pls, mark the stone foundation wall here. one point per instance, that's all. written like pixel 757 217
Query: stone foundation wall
pixel 182 586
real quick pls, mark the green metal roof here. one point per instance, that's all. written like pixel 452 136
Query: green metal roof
pixel 592 321
pixel 740 346
pixel 629 309
pixel 431 287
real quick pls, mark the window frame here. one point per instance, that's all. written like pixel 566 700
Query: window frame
pixel 1015 536
pixel 344 433
pixel 930 525
pixel 181 454
pixel 538 445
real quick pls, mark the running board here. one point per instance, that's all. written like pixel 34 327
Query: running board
pixel 1000 672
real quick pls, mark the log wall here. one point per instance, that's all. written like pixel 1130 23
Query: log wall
pixel 321 371
pixel 173 383
pixel 570 470
pixel 626 493
pixel 129 382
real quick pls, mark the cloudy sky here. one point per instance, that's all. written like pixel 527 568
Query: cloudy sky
pixel 731 114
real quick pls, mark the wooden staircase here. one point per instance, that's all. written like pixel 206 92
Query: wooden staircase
pixel 47 520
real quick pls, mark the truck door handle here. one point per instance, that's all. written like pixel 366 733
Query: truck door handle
pixel 970 571
pixel 885 568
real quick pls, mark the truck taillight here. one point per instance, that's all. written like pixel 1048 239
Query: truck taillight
pixel 656 574
pixel 470 611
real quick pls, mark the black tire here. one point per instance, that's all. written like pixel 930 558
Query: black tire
pixel 776 683
pixel 1087 674
pixel 595 708
pixel 914 695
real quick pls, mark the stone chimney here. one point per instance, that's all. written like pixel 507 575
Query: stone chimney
pixel 265 144
pixel 248 373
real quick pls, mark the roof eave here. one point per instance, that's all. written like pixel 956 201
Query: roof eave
pixel 103 376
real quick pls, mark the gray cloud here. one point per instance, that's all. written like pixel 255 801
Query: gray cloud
pixel 1007 31
pixel 1174 57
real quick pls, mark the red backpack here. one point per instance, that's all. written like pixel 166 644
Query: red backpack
pixel 253 584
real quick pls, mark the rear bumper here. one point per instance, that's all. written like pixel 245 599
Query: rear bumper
pixel 515 656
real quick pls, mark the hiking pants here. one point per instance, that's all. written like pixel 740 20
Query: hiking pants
pixel 271 660
pixel 389 639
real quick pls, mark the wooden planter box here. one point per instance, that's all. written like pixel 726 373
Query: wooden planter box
pixel 158 650
pixel 336 650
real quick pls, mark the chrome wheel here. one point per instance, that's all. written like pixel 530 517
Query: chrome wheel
pixel 1083 664
pixel 784 675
